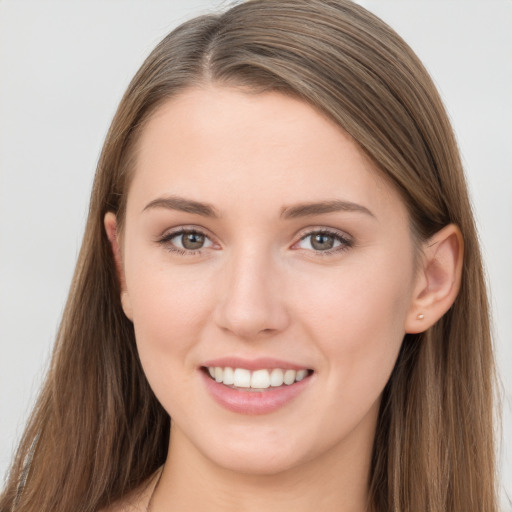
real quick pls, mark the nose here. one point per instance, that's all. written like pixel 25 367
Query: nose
pixel 251 302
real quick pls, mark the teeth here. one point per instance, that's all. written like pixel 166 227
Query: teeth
pixel 242 378
pixel 229 376
pixel 289 376
pixel 276 377
pixel 258 379
pixel 301 374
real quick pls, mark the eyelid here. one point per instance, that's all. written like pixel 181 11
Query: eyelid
pixel 304 232
pixel 185 227
pixel 170 233
pixel 347 241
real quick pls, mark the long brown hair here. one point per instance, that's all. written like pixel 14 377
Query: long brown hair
pixel 97 430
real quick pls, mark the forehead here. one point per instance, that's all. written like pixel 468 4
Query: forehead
pixel 219 144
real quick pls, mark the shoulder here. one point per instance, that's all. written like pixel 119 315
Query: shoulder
pixel 138 499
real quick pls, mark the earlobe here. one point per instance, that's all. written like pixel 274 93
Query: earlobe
pixel 438 280
pixel 110 223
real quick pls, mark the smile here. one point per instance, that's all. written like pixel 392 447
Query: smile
pixel 257 379
pixel 257 386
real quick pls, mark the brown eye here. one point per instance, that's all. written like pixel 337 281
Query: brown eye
pixel 322 241
pixel 192 241
pixel 185 240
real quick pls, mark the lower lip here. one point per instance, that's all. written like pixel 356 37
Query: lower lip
pixel 253 402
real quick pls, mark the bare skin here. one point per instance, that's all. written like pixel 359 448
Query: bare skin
pixel 221 257
pixel 139 499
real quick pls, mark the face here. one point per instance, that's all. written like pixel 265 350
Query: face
pixel 260 245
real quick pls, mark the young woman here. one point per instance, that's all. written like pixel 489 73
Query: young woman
pixel 279 301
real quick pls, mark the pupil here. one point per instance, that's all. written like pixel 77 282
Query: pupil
pixel 322 241
pixel 192 240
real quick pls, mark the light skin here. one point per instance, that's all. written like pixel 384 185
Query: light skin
pixel 268 185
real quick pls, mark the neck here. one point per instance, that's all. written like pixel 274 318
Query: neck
pixel 338 480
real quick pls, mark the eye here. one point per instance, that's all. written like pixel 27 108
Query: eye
pixel 324 241
pixel 186 240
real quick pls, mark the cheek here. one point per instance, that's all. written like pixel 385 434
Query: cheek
pixel 170 308
pixel 356 316
pixel 168 313
pixel 165 298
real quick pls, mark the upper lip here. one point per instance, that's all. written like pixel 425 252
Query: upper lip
pixel 259 363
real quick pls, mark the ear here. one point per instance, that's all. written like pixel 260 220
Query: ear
pixel 110 223
pixel 438 279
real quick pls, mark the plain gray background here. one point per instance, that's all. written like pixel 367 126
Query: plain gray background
pixel 63 68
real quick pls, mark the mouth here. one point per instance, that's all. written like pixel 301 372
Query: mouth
pixel 257 380
pixel 256 385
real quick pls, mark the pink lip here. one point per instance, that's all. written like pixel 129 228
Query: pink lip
pixel 253 364
pixel 253 402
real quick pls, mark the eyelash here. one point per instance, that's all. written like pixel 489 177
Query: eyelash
pixel 345 242
pixel 165 240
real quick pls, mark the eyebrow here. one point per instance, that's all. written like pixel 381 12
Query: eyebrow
pixel 336 205
pixel 288 212
pixel 183 205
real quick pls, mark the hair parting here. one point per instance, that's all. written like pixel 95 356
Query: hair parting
pixel 97 430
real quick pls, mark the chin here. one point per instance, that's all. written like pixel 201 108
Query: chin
pixel 256 461
pixel 255 450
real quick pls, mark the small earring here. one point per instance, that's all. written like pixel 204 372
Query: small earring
pixel 420 316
